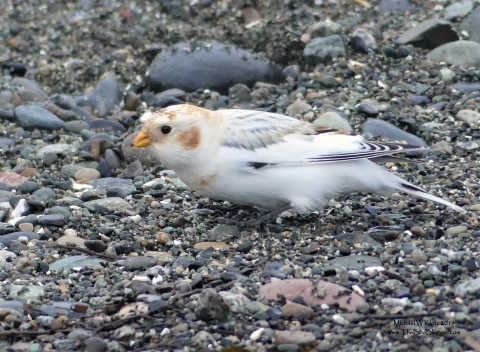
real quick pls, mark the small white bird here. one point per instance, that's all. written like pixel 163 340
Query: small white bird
pixel 270 161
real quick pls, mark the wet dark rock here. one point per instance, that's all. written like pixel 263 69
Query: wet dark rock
pixel 27 187
pixel 15 69
pixel 95 245
pixel 104 169
pixel 51 220
pixel 112 159
pixel 397 53
pixel 245 246
pixel 367 109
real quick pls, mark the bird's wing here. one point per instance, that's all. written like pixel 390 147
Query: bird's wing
pixel 251 130
pixel 262 139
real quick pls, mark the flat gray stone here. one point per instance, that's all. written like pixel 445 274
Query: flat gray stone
pixel 104 184
pixel 70 170
pixel 354 262
pixel 63 149
pixel 333 120
pixel 26 293
pixel 76 126
pixel 458 9
pixel 460 53
pixel 396 6
pixel 111 203
pixel 8 239
pixel 34 116
pixel 80 261
pixel 140 263
pixel 470 286
pixel 375 127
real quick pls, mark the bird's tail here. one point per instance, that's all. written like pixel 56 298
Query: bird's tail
pixel 417 191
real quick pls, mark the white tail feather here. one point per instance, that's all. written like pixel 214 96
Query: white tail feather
pixel 417 191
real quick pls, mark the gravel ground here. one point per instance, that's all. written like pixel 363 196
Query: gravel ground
pixel 102 249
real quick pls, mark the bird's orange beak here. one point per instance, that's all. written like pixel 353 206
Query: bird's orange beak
pixel 141 140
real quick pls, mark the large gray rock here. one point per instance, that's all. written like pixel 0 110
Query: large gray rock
pixel 461 53
pixel 376 127
pixel 458 9
pixel 429 34
pixel 34 116
pixel 214 66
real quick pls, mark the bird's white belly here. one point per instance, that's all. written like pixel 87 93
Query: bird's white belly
pixel 248 191
pixel 267 189
pixel 305 188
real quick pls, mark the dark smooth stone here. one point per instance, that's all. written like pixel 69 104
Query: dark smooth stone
pixel 51 220
pixel 215 66
pixel 15 69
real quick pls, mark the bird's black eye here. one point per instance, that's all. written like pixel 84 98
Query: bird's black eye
pixel 166 129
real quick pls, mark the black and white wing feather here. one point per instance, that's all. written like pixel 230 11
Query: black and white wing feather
pixel 260 138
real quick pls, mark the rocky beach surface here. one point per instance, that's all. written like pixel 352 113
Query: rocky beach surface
pixel 103 249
